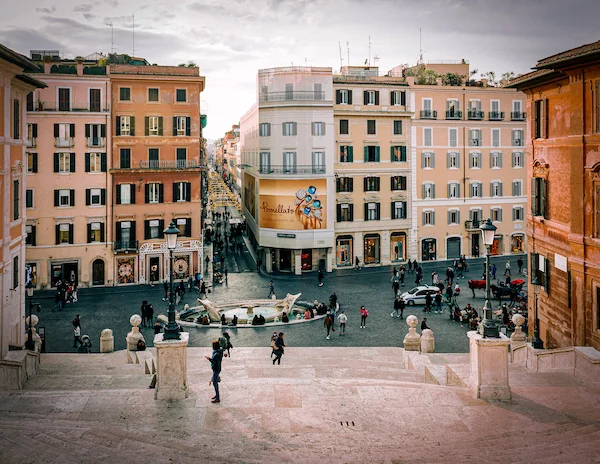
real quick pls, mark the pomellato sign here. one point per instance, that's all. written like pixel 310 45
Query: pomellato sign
pixel 280 235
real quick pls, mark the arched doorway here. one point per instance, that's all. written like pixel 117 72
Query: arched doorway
pixel 98 272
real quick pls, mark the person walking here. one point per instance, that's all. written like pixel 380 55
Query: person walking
pixel 508 266
pixel 279 347
pixel 271 289
pixel 419 275
pixel 435 278
pixel 494 270
pixel 143 312
pixel 77 336
pixel 206 262
pixel 410 265
pixel 428 301
pixel 328 323
pixel 258 264
pixel 215 362
pixel 402 273
pixel 397 303
pixel 320 277
pixel 342 319
pixel 273 338
pixel 333 301
pixel 202 289
pixel 356 263
pixel 395 286
pixel 166 288
pixel 364 313
pixel 438 302
pixel 520 264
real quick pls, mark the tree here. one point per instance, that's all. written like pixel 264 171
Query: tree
pixel 491 77
pixel 189 64
pixel 452 79
pixel 507 76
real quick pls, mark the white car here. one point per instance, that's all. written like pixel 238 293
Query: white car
pixel 417 295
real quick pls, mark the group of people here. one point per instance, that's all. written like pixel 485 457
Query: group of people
pixel 147 312
pixel 66 292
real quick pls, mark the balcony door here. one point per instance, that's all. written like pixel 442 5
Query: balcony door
pixel 95 100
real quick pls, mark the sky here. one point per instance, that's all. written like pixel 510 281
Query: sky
pixel 230 40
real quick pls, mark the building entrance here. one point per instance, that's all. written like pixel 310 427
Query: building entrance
pixel 285 260
pixel 98 272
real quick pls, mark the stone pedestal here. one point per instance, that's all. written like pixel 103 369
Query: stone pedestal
pixel 518 337
pixel 171 368
pixel 107 341
pixel 427 341
pixel 134 336
pixel 412 340
pixel 489 366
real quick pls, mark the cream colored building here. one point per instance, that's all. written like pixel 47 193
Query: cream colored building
pixel 372 116
pixel 468 143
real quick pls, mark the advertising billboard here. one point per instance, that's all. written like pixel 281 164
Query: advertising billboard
pixel 293 204
pixel 249 194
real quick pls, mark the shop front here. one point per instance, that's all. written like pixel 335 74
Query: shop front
pixel 398 246
pixel 475 244
pixel 497 248
pixel 517 243
pixel 371 249
pixel 306 260
pixel 343 250
pixel 429 249
pixel 64 271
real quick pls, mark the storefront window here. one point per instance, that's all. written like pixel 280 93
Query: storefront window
pixel 398 246
pixel 31 274
pixel 517 243
pixel 371 255
pixel 496 248
pixel 306 260
pixel 344 251
pixel 429 249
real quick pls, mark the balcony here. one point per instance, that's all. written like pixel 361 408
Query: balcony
pixel 454 114
pixel 496 115
pixel 475 115
pixel 517 116
pixel 428 114
pixel 472 225
pixel 169 164
pixel 63 142
pixel 292 170
pixel 125 246
pixel 79 107
pixel 32 142
pixel 296 95
pixel 96 141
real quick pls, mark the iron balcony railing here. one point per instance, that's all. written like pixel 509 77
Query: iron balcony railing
pixel 428 114
pixel 125 245
pixel 291 170
pixel 296 95
pixel 169 164
pixel 517 116
pixel 63 142
pixel 96 141
pixel 474 114
pixel 472 225
pixel 496 115
pixel 454 114
pixel 70 106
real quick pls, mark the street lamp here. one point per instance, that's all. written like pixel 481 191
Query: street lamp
pixel 537 342
pixel 30 345
pixel 488 328
pixel 172 328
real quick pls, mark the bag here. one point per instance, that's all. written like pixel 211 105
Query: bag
pixel 273 346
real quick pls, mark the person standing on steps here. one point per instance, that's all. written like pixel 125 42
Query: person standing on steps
pixel 320 277
pixel 271 289
pixel 342 319
pixel 364 313
pixel 424 324
pixel 207 261
pixel 397 302
pixel 279 347
pixel 215 362
pixel 225 274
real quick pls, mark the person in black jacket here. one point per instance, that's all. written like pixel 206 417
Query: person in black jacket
pixel 428 301
pixel 279 346
pixel 215 361
pixel 424 324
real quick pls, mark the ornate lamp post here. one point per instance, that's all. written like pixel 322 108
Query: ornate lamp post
pixel 488 327
pixel 172 328
pixel 29 344
pixel 537 342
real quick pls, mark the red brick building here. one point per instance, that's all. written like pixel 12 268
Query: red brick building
pixel 563 158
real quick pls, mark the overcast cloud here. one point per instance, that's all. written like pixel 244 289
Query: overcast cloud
pixel 230 40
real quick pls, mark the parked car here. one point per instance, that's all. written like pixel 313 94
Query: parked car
pixel 417 295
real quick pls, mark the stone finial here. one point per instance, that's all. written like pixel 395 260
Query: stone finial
pixel 34 321
pixel 107 341
pixel 518 336
pixel 134 336
pixel 412 321
pixel 34 335
pixel 427 341
pixel 412 340
pixel 135 320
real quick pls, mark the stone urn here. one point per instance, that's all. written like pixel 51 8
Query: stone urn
pixel 427 341
pixel 518 337
pixel 412 340
pixel 107 341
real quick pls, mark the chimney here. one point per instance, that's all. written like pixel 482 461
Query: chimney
pixel 438 81
pixel 410 80
pixel 484 82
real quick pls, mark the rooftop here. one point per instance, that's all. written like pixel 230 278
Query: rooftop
pixel 586 52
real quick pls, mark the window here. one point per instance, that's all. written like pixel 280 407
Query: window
pixel 29 198
pixel 371 128
pixel 516 109
pixel 31 135
pixel 318 162
pixel 453 109
pixel 31 162
pixel 517 190
pixel 398 127
pixel 289 128
pixel 371 97
pixel 185 227
pixel 125 94
pixel 289 162
pixel 181 157
pixel 371 184
pixel 517 138
pixel 289 91
pixel 476 215
pixel 344 127
pixel 153 193
pixel 343 97
pixel 95 100
pixel 95 232
pixel 95 134
pixel 428 218
pixel 154 229
pixel 496 214
pixel 398 182
pixel 428 191
pixel 495 189
pixel 453 137
pixel 475 160
pixel 30 239
pixel 345 212
pixel 427 137
pixel 495 160
pixel 427 112
pixel 398 153
pixel 125 194
pixel 126 234
pixel 346 154
pixel 181 125
pixel 453 160
pixel 16 271
pixel 64 99
pixel 428 160
pixel 475 137
pixel 153 125
pixel 518 213
pixel 152 95
pixel 64 134
pixel 453 217
pixel 318 128
pixel 95 162
pixel 398 98
pixel 495 137
pixel 372 211
pixel 125 125
pixel 64 233
pixel 517 159
pixel 64 162
pixel 453 190
pixel 372 154
pixel 540 269
pixel 345 184
pixel 541 118
pixel 153 158
pixel 29 100
pixel 265 162
pixel 399 210
pixel 539 188
pixel 265 129
pixel 64 197
pixel 181 95
pixel 476 190
pixel 475 109
pixel 125 158
pixel 16 206
pixel 95 197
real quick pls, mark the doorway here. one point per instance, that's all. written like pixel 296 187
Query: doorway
pixel 285 260
pixel 453 247
pixel 98 272
pixel 70 272
pixel 475 245
pixel 154 269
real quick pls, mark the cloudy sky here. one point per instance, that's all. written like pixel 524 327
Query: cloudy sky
pixel 230 40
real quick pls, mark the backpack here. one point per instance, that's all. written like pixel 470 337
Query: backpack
pixel 223 343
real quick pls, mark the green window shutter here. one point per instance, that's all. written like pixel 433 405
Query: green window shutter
pixel 160 125
pixel 102 130
pixel 87 131
pixel 339 210
pixel 56 198
pixel 72 197
pixel 118 128
pixel 366 218
pixel 174 125
pixel 188 191
pixel 188 227
pixel 89 233
pixel 175 191
pixel 34 166
pixel 350 154
pixel 403 153
pixel 161 193
pixel 103 162
pixel 365 97
pixel 72 130
pixel 103 196
pixel 118 194
pixel 392 149
pixel 377 97
pixel 534 195
pixel 72 162
pixel 146 230
pixel 71 233
pixel 147 125
pixel 547 276
pixel 366 154
pixel 377 148
pixel 132 125
pixel 56 162
pixel 351 184
pixel 188 126
pixel 542 194
pixel 87 162
pixel 56 130
pixel 338 100
pixel 57 232
pixel 349 96
pixel 88 196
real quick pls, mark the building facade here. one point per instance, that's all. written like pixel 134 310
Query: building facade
pixel 563 214
pixel 156 170
pixel 372 116
pixel 68 192
pixel 14 87
pixel 287 154
pixel 468 144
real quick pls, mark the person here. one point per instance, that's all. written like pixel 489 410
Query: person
pixel 307 315
pixel 459 270
pixel 225 274
pixel 215 362
pixel 435 278
pixel 448 293
pixel 261 319
pixel 520 264
pixel 410 265
pixel 77 336
pixel 86 345
pixel 273 338
pixel 157 328
pixel 419 275
pixel 77 321
pixel 397 303
pixel 166 287
pixel 395 286
pixel 143 311
pixel 74 293
pixel 333 301
pixel 327 323
pixel 402 272
pixel 494 270
pixel 258 264
pixel 204 320
pixel 456 293
pixel 223 321
pixel 279 347
pixel 320 277
pixel 507 278
pixel 202 289
pixel 342 319
pixel 181 288
pixel 285 318
pixel 428 301
pixel 424 324
pixel 364 313
pixel 356 263
pixel 438 302
pixel 271 289
pixel 505 315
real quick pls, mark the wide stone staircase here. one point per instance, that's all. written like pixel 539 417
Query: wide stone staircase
pixel 321 404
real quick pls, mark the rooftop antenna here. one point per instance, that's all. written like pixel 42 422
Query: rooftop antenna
pixel 133 34
pixel 369 50
pixel 348 50
pixel 341 59
pixel 112 36
pixel 420 48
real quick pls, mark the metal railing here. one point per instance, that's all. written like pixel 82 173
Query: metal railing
pixel 127 245
pixel 496 115
pixel 296 95
pixel 60 142
pixel 32 142
pixel 169 164
pixel 517 116
pixel 70 106
pixel 454 114
pixel 474 114
pixel 472 225
pixel 428 114
pixel 96 141
pixel 291 170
